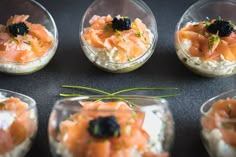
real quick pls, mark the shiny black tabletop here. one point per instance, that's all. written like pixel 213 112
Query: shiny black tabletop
pixel 163 69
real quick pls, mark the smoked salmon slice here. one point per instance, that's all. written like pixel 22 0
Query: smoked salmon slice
pixel 220 115
pixel 125 45
pixel 77 138
pixel 208 46
pixel 20 128
pixel 21 48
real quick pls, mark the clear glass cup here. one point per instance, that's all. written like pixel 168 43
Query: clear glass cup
pixel 132 9
pixel 218 133
pixel 146 127
pixel 38 15
pixel 198 12
pixel 18 126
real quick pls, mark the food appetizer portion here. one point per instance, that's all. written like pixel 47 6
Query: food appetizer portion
pixel 18 125
pixel 110 129
pixel 219 128
pixel 208 47
pixel 25 47
pixel 117 44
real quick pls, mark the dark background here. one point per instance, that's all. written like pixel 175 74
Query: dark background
pixel 70 66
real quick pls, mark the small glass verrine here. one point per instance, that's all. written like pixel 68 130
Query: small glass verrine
pixel 198 47
pixel 98 126
pixel 29 52
pixel 218 123
pixel 120 51
pixel 18 123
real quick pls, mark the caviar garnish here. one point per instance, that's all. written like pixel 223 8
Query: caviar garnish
pixel 122 23
pixel 104 127
pixel 221 27
pixel 18 29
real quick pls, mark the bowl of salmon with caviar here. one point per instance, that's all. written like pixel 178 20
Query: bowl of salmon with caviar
pixel 102 126
pixel 18 123
pixel 28 37
pixel 219 125
pixel 205 38
pixel 118 35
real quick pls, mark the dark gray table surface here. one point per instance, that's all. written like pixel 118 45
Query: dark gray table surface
pixel 70 66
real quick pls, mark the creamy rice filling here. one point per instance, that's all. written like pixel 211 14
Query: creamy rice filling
pixel 30 66
pixel 154 143
pixel 216 143
pixel 19 150
pixel 6 119
pixel 107 58
pixel 222 67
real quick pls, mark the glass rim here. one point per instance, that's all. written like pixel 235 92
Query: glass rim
pixel 150 48
pixel 54 43
pixel 205 113
pixel 31 106
pixel 199 2
pixel 122 98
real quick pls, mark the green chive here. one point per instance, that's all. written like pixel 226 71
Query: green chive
pixel 212 40
pixel 220 18
pixel 140 88
pixel 167 95
pixel 138 34
pixel 116 133
pixel 229 106
pixel 117 92
pixel 226 126
pixel 232 24
pixel 70 95
pixel 90 141
pixel 87 88
pixel 118 32
pixel 207 22
pixel 96 129
pixel 2 105
pixel 117 147
pixel 14 40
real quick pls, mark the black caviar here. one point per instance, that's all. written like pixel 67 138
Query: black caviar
pixel 220 27
pixel 104 127
pixel 18 29
pixel 120 24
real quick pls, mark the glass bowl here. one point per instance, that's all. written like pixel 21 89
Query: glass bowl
pixel 18 123
pixel 117 52
pixel 37 15
pixel 219 125
pixel 202 11
pixel 137 126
